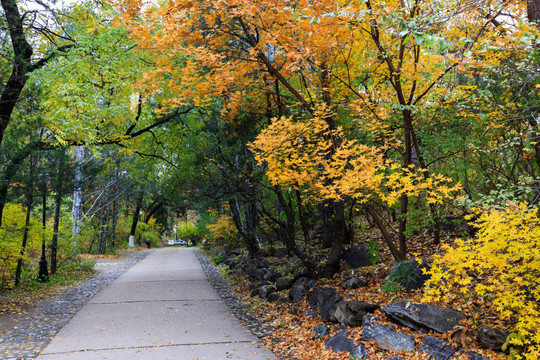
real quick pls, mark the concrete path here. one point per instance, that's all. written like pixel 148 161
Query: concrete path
pixel 162 308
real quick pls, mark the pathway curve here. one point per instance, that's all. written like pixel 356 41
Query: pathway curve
pixel 162 308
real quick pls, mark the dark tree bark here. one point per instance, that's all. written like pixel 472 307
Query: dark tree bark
pixel 153 209
pixel 22 64
pixel 57 205
pixel 114 215
pixel 135 218
pixel 247 230
pixel 104 231
pixel 29 199
pixel 288 234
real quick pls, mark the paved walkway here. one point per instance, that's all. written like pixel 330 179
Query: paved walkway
pixel 162 308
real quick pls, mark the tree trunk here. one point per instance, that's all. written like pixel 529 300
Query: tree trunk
pixel 103 230
pixel 43 275
pixel 76 211
pixel 22 65
pixel 58 203
pixel 288 234
pixel 114 216
pixel 337 230
pixel 18 271
pixel 135 219
pixel 246 231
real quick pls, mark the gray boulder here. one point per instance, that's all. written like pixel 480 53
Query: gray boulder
pixel 320 331
pixel 386 337
pixel 437 349
pixel 440 350
pixel 354 282
pixel 328 307
pixel 409 274
pixel 263 291
pixel 491 338
pixel 298 290
pixel 356 256
pixel 340 342
pixel 422 316
pixel 257 274
pixel 317 296
pixel 352 313
pixel 284 283
pixel 474 356
pixel 276 298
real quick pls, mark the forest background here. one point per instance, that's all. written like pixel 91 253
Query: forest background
pixel 260 124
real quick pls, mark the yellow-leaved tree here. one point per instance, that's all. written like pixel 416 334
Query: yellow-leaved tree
pixel 500 266
pixel 305 155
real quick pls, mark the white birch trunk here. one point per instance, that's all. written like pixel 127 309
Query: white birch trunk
pixel 76 210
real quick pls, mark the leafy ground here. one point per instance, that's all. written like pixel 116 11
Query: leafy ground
pixel 293 333
pixel 16 302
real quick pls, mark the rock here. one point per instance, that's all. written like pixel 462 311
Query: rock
pixel 266 290
pixel 320 331
pixel 409 274
pixel 328 307
pixel 354 282
pixel 254 286
pixel 474 356
pixel 276 298
pixel 254 292
pixel 311 283
pixel 491 338
pixel 395 357
pixel 341 342
pixel 352 313
pixel 284 283
pixel 422 316
pixel 386 337
pixel 231 263
pixel 298 290
pixel 317 296
pixel 263 291
pixel 281 253
pixel 356 256
pixel 271 276
pixel 262 262
pixel 437 349
pixel 257 274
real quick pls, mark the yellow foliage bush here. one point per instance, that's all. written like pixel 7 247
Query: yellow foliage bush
pixel 503 265
pixel 304 154
pixel 223 231
pixel 11 235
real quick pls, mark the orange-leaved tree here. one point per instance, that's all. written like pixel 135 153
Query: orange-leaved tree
pixel 380 68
